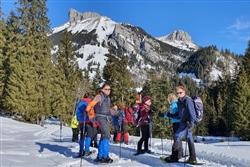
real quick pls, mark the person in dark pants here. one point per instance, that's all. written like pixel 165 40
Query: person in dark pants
pixel 187 114
pixel 75 129
pixel 115 124
pixel 172 99
pixel 103 113
pixel 90 128
pixel 94 140
pixel 145 115
pixel 122 124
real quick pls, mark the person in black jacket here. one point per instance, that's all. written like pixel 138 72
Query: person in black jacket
pixel 186 113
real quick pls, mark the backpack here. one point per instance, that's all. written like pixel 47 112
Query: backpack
pixel 90 109
pixel 198 106
pixel 136 113
pixel 128 114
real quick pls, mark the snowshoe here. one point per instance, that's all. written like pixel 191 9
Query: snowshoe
pixel 170 159
pixel 106 160
pixel 192 162
pixel 86 154
pixel 141 152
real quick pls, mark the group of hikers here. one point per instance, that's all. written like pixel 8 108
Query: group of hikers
pixel 182 115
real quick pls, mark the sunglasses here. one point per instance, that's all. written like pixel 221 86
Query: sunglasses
pixel 179 93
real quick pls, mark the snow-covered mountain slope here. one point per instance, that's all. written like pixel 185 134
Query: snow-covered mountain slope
pixel 180 39
pixel 94 35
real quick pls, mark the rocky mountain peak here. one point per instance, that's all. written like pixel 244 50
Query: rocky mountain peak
pixel 179 35
pixel 78 16
pixel 180 39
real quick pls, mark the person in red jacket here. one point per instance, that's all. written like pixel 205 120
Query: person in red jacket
pixel 144 121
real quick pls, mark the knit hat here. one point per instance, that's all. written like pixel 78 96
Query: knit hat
pixel 146 98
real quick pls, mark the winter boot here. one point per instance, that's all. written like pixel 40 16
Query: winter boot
pixel 114 137
pixel 192 157
pixel 98 159
pixel 173 157
pixel 180 151
pixel 175 153
pixel 125 138
pixel 139 146
pixel 118 137
pixel 86 154
pixel 107 160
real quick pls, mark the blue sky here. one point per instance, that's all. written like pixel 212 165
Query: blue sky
pixel 224 23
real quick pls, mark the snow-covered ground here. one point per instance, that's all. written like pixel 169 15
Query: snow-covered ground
pixel 31 145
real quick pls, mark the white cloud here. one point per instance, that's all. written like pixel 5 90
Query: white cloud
pixel 240 25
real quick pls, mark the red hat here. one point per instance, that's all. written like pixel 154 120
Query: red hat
pixel 146 98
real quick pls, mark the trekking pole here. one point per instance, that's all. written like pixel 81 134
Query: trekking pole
pixel 61 131
pixel 171 132
pixel 83 139
pixel 161 142
pixel 121 140
pixel 186 148
pixel 151 129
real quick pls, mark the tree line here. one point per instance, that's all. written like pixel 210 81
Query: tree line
pixel 35 81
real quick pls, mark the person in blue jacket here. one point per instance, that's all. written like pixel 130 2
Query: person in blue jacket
pixel 187 115
pixel 172 100
pixel 90 128
pixel 122 126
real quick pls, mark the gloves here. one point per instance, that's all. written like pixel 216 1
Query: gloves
pixel 119 113
pixel 190 125
pixel 169 115
pixel 160 114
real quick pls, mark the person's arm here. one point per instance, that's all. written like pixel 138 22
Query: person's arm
pixel 174 108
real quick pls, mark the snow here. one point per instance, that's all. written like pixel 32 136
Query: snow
pixel 104 27
pixel 191 75
pixel 30 145
pixel 215 73
pixel 184 45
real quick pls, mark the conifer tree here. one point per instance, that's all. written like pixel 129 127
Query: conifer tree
pixel 70 76
pixel 97 79
pixel 2 57
pixel 116 73
pixel 13 65
pixel 240 100
pixel 31 90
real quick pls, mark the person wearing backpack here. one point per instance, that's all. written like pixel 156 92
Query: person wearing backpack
pixel 172 100
pixel 143 122
pixel 86 126
pixel 115 124
pixel 187 114
pixel 102 115
pixel 122 122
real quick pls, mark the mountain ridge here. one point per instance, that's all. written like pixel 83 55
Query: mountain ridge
pixel 94 35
